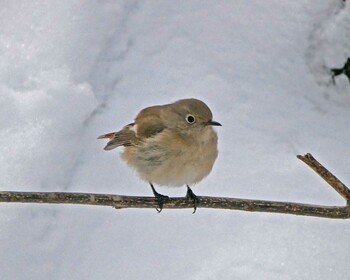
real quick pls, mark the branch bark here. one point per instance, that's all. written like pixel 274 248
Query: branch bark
pixel 120 201
pixel 326 175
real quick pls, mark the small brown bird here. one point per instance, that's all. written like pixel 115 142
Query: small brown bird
pixel 169 145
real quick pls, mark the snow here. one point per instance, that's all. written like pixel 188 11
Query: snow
pixel 73 70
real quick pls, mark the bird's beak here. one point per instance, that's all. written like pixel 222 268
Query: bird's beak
pixel 213 123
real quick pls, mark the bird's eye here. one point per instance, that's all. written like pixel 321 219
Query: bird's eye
pixel 190 119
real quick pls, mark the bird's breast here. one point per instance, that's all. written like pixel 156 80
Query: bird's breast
pixel 172 160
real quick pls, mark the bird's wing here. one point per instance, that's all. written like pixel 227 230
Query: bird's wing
pixel 124 137
pixel 149 123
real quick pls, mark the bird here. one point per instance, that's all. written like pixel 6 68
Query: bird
pixel 169 145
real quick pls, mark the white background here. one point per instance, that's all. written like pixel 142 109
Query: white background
pixel 72 70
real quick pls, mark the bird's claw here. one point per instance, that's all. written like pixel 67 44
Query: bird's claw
pixel 190 195
pixel 160 198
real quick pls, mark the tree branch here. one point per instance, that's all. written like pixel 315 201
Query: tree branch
pixel 119 201
pixel 333 181
pixel 344 70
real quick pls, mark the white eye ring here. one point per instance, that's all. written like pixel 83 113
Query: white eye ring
pixel 190 119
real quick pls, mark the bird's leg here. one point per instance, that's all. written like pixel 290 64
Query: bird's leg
pixel 161 198
pixel 193 197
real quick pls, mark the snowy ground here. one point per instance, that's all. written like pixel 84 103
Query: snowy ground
pixel 72 70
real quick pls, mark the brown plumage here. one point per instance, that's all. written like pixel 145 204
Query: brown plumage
pixel 172 144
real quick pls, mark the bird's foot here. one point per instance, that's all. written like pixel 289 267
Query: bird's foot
pixel 195 200
pixel 160 198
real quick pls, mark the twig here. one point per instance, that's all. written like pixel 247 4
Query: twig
pixel 344 70
pixel 119 201
pixel 333 181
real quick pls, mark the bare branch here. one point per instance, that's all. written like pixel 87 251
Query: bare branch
pixel 119 201
pixel 333 181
